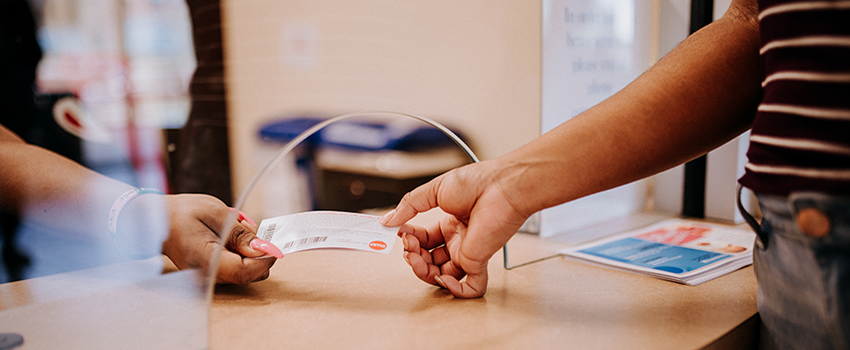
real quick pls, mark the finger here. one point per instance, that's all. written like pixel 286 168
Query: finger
pixel 215 215
pixel 427 238
pixel 420 261
pixel 411 245
pixel 249 226
pixel 241 240
pixel 421 199
pixel 410 233
pixel 264 276
pixel 476 272
pixel 452 270
pixel 266 247
pixel 422 268
pixel 233 269
pixel 243 217
pixel 427 255
pixel 473 287
pixel 449 256
pixel 440 256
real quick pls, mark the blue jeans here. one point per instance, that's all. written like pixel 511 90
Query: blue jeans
pixel 803 282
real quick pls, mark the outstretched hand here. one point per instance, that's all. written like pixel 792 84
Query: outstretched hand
pixel 196 220
pixel 480 220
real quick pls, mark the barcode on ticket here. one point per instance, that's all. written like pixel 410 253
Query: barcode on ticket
pixel 269 232
pixel 306 240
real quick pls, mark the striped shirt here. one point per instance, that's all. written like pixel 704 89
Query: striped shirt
pixel 800 139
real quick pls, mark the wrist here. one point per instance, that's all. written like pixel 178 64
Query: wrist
pixel 138 222
pixel 121 202
pixel 515 179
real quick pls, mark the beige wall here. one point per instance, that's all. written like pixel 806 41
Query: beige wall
pixel 474 65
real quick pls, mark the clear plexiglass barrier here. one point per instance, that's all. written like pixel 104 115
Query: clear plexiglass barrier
pixel 124 144
pixel 375 157
pixel 84 284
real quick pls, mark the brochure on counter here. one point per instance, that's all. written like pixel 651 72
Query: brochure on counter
pixel 684 251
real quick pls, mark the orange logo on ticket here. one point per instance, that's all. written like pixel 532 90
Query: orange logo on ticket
pixel 377 245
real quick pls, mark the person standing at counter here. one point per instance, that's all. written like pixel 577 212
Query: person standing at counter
pixel 778 66
pixel 58 195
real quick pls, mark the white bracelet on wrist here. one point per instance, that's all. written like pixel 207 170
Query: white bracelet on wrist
pixel 119 204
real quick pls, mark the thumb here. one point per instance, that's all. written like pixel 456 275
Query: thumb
pixel 243 241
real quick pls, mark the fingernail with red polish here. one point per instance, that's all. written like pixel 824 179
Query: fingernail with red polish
pixel 241 216
pixel 266 247
pixel 244 216
pixel 238 216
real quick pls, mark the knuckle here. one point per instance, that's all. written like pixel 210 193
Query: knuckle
pixel 239 235
pixel 242 279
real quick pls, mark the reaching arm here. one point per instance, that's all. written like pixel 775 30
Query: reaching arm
pixel 52 192
pixel 699 96
pixel 48 190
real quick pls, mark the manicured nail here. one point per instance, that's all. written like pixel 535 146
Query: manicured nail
pixel 404 240
pixel 266 247
pixel 440 281
pixel 239 216
pixel 404 255
pixel 386 218
pixel 246 218
pixel 242 217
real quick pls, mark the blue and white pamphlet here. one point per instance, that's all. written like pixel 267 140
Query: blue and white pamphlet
pixel 684 251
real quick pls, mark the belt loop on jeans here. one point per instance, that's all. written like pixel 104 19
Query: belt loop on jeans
pixel 761 239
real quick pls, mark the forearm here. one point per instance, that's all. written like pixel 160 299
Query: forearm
pixel 699 96
pixel 51 191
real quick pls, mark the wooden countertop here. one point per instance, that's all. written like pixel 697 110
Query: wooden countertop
pixel 355 300
pixel 332 299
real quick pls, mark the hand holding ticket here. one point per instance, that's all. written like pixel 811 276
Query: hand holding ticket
pixel 327 229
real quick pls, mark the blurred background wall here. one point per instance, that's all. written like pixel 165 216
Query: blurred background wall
pixel 473 65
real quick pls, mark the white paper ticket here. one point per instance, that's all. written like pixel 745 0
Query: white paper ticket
pixel 328 229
